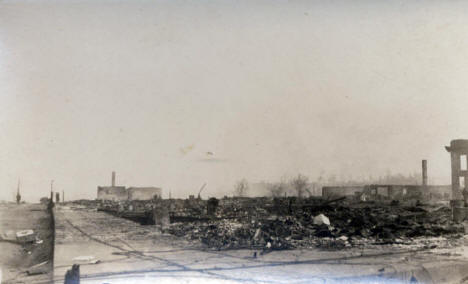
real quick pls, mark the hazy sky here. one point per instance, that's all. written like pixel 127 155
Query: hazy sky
pixel 271 88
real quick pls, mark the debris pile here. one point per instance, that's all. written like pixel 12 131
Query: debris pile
pixel 332 227
pixel 225 234
pixel 282 223
pixel 25 236
pixel 21 237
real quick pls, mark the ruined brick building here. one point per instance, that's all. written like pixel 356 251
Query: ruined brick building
pixel 121 193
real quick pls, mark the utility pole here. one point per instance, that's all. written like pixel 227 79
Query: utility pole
pixel 52 191
pixel 63 196
pixel 18 195
pixel 424 173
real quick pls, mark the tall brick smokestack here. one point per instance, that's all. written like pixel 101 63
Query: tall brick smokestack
pixel 113 178
pixel 424 173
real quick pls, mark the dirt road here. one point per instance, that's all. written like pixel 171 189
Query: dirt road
pixel 114 250
pixel 16 258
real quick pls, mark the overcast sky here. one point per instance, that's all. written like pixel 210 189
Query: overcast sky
pixel 270 88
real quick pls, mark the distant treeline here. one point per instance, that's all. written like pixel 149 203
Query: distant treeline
pixel 301 185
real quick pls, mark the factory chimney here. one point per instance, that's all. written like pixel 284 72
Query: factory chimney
pixel 113 179
pixel 424 173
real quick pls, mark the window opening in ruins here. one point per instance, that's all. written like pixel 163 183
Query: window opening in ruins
pixel 462 182
pixel 463 163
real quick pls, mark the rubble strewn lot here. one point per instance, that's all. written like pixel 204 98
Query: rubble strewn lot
pixel 350 224
pixel 287 223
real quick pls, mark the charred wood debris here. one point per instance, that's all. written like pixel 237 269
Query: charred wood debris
pixel 290 222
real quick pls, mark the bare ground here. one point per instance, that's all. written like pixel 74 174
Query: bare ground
pixel 15 259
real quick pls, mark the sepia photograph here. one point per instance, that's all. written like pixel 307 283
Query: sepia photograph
pixel 233 141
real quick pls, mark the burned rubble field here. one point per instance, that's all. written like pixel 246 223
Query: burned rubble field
pixel 334 226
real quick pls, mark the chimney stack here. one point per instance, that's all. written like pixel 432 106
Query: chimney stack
pixel 113 179
pixel 424 173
